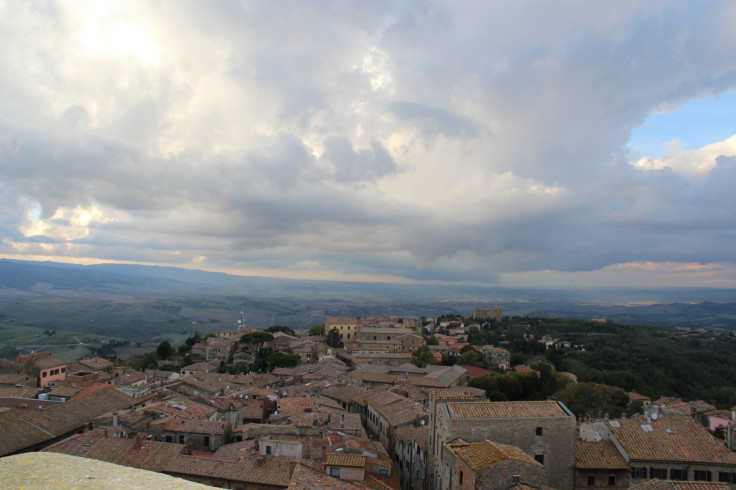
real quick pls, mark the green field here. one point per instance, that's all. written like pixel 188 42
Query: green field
pixel 66 345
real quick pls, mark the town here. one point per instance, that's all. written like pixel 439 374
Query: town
pixel 375 402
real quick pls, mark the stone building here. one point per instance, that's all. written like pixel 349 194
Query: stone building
pixel 671 447
pixel 490 466
pixel 346 326
pixel 598 464
pixel 545 430
pixel 488 313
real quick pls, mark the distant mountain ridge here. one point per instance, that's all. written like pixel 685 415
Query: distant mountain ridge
pixel 300 303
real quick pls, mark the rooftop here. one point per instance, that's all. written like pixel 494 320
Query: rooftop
pixel 352 460
pixel 494 410
pixel 481 454
pixel 598 455
pixel 670 438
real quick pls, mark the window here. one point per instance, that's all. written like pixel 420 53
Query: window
pixel 611 481
pixel 539 458
pixel 638 472
pixel 335 472
pixel 726 477
pixel 181 439
pixel 43 375
pixel 660 473
pixel 678 474
pixel 382 472
pixel 207 441
pixel 169 439
pixel 591 480
pixel 63 370
pixel 540 431
pixel 268 450
pixel 702 475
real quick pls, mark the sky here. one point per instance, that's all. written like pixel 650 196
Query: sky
pixel 514 144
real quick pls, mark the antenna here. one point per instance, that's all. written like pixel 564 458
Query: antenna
pixel 654 416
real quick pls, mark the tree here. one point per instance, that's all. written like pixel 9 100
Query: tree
pixel 278 359
pixel 194 339
pixel 146 361
pixel 164 350
pixel 333 339
pixel 431 340
pixel 278 328
pixel 472 358
pixel 593 399
pixel 423 356
pixel 256 338
pixel 318 329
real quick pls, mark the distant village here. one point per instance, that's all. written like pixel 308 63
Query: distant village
pixel 364 403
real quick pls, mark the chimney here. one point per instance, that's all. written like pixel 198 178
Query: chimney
pixel 138 442
pixel 324 454
pixel 115 419
pixel 189 449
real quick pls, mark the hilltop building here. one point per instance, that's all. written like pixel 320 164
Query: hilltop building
pixel 488 313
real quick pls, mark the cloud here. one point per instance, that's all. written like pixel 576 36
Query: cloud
pixel 434 120
pixel 694 164
pixel 428 141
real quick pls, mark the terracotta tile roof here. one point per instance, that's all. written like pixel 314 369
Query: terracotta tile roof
pixel 14 379
pixel 296 405
pixel 367 377
pixel 492 410
pixel 64 391
pixel 458 393
pixel 18 392
pixel 420 435
pixel 598 455
pixel 401 412
pixel 307 478
pixel 168 458
pixel 474 371
pixel 482 454
pixel 671 438
pixel 235 450
pixel 637 396
pixel 378 398
pixel 339 459
pixel 129 378
pixel 680 485
pixel 195 426
pixel 48 362
pixel 380 483
pixel 23 429
pixel 96 363
pixel 519 368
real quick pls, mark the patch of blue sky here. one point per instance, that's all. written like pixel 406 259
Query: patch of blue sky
pixel 698 123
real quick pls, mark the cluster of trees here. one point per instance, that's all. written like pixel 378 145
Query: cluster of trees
pixel 616 358
pixel 265 359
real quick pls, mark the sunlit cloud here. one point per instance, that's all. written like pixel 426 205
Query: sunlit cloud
pixel 693 164
pixel 368 141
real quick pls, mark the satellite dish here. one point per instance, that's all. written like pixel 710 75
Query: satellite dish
pixel 598 437
pixel 654 416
